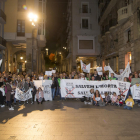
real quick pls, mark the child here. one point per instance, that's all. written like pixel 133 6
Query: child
pixel 129 103
pixel 119 101
pixel 114 99
pixel 89 97
pixel 107 99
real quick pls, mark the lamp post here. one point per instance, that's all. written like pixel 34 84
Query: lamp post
pixel 33 19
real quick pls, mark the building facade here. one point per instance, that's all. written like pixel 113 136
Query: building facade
pixel 83 31
pixel 2 40
pixel 25 42
pixel 119 22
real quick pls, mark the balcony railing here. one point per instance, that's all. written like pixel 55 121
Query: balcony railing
pixel 113 22
pixel 2 15
pixel 2 41
pixel 85 10
pixel 124 13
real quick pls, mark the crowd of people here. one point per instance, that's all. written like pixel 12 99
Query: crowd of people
pixel 10 81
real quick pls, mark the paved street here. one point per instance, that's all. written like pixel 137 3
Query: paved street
pixel 69 120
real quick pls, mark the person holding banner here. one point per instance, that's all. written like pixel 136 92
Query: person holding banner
pixel 98 100
pixel 53 87
pixel 28 84
pixel 112 77
pixel 39 95
pixel 96 76
pixel 59 81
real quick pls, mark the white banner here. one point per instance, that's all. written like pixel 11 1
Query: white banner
pixel 23 96
pixel 75 88
pixel 124 74
pixel 99 69
pixel 48 73
pixel 46 87
pixel 85 68
pixel 135 91
pixel 0 62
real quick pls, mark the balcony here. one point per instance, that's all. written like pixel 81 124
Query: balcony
pixel 124 13
pixel 107 29
pixel 112 23
pixel 2 43
pixel 85 10
pixel 2 17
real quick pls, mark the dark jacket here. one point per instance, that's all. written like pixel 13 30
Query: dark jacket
pixel 54 84
pixel 107 98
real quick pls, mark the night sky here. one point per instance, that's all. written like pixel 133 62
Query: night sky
pixel 55 14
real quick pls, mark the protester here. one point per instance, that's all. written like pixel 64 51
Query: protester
pixel 119 101
pixel 135 80
pixel 40 95
pixel 8 90
pixel 53 87
pixel 129 103
pixel 107 99
pixel 96 76
pixel 89 97
pixel 28 84
pixel 112 77
pixel 130 77
pixel 98 100
pixel 114 99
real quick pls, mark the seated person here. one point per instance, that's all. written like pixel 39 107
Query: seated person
pixel 107 99
pixel 129 103
pixel 89 97
pixel 39 95
pixel 98 100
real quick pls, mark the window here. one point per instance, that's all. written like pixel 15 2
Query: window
pixel 20 5
pixel 21 28
pixel 84 8
pixel 40 5
pixel 129 35
pixel 85 24
pixel 85 44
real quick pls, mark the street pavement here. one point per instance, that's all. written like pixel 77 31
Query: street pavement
pixel 69 120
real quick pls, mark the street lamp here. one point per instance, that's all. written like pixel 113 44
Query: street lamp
pixel 47 51
pixel 33 18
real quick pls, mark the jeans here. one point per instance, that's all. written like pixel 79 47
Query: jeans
pixel 33 97
pixel 57 91
pixel 15 100
pixel 127 107
pixel 61 98
pixel 53 92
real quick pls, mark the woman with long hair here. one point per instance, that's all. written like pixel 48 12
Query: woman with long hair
pixel 39 95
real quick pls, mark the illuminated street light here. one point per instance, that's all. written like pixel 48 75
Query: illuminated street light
pixel 25 61
pixel 21 57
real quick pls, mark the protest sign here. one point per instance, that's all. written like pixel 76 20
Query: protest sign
pixel 46 87
pixel 48 73
pixel 75 88
pixel 23 96
pixel 99 69
pixel 135 91
pixel 85 68
pixel 53 71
